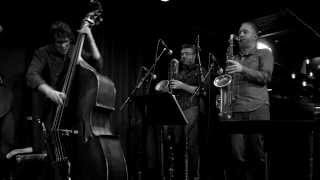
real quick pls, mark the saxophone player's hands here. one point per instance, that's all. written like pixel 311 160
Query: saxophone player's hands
pixel 233 67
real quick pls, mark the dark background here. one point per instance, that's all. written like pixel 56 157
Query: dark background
pixel 128 37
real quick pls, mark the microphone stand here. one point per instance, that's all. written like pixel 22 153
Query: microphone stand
pixel 142 80
pixel 302 22
pixel 196 92
pixel 198 49
pixel 138 85
pixel 200 79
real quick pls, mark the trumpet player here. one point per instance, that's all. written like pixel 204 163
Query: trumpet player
pixel 184 85
pixel 251 69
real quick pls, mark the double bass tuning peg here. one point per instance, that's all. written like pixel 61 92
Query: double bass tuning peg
pixel 96 4
pixel 94 17
pixel 99 20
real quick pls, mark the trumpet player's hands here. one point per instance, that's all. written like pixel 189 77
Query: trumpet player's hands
pixel 234 67
pixel 176 84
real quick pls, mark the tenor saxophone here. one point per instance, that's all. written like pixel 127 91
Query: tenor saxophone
pixel 224 83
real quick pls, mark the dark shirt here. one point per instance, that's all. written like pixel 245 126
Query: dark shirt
pixel 48 66
pixel 188 74
pixel 6 97
pixel 250 87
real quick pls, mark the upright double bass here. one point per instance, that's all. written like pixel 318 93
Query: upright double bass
pixel 80 142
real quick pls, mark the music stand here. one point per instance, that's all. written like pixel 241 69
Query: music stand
pixel 164 110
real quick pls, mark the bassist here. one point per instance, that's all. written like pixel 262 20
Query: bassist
pixel 47 72
pixel 51 61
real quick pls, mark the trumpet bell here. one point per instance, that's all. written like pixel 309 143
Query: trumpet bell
pixel 162 86
pixel 222 80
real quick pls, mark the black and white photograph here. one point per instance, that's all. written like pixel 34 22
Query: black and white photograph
pixel 158 90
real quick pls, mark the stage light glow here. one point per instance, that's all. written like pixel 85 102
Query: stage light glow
pixel 311 74
pixel 307 61
pixel 263 45
pixel 304 83
pixel 164 0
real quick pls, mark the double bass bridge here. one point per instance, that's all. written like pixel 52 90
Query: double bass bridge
pixel 67 132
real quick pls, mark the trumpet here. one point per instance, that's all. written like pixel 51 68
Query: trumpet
pixel 224 82
pixel 173 70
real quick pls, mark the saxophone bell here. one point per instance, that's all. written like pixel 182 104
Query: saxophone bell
pixel 222 80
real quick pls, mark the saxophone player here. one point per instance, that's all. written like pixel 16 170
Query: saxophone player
pixel 251 69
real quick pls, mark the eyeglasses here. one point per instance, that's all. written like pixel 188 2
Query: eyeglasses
pixel 187 53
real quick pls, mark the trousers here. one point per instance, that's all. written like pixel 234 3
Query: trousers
pixel 247 160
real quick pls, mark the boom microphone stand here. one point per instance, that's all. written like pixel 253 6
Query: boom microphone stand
pixel 144 78
pixel 147 76
pixel 197 92
pixel 198 49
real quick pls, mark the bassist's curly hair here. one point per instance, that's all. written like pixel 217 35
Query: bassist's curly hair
pixel 60 29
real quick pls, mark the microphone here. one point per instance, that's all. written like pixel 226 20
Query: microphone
pixel 215 62
pixel 145 69
pixel 169 51
pixel 235 37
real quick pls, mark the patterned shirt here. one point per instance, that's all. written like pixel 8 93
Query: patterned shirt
pixel 250 87
pixel 188 74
